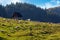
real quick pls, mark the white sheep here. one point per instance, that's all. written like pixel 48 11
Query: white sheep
pixel 28 19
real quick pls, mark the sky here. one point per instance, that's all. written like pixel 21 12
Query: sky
pixel 39 3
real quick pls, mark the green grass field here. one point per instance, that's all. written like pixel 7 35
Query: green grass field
pixel 11 29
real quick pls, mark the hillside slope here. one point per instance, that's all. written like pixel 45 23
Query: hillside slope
pixel 11 29
pixel 55 10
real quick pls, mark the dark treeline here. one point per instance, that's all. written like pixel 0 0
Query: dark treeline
pixel 29 11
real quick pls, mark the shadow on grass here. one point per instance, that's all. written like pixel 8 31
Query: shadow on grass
pixel 1 38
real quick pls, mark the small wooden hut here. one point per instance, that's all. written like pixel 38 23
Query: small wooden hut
pixel 17 15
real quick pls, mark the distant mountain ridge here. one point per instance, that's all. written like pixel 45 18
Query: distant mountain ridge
pixel 55 10
pixel 29 11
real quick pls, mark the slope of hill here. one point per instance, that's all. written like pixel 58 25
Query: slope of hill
pixel 55 10
pixel 11 29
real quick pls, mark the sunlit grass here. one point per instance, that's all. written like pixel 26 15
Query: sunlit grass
pixel 11 29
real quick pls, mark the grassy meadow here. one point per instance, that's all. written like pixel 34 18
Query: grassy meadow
pixel 11 29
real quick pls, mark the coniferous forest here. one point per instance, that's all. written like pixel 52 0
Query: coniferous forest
pixel 29 11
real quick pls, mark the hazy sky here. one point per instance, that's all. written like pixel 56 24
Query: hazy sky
pixel 39 3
